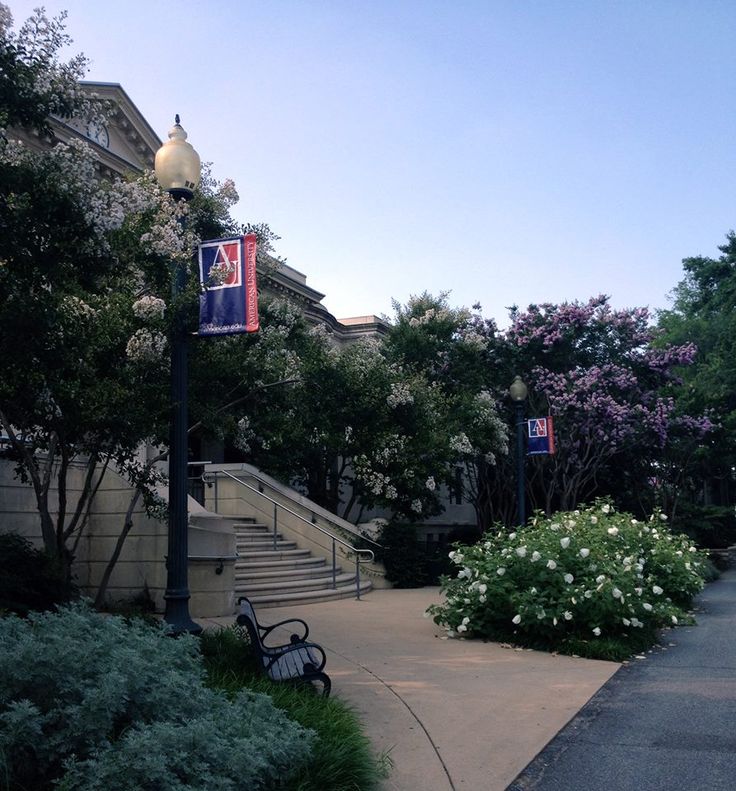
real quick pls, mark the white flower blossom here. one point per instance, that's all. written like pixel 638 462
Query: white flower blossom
pixel 149 308
pixel 551 564
pixel 145 346
pixel 516 619
pixel 568 579
pixel 500 571
pixel 535 556
pixel 612 531
pixel 430 483
pixel 460 444
pixel 597 631
pixel 400 395
pixel 656 590
pixel 521 551
pixel 565 542
pixel 584 552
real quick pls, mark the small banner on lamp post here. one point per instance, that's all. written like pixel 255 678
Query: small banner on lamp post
pixel 541 436
pixel 228 303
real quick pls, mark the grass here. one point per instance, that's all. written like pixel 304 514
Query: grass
pixel 342 759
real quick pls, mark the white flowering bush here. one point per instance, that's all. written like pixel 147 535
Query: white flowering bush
pixel 572 580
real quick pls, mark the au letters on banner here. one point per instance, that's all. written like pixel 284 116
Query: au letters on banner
pixel 228 303
pixel 541 436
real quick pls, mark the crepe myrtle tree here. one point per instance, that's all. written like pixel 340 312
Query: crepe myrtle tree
pixel 611 393
pixel 348 428
pixel 355 428
pixel 458 354
pixel 85 269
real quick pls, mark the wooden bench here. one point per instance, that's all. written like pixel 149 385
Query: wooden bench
pixel 297 661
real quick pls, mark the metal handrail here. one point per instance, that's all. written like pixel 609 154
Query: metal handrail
pixel 335 539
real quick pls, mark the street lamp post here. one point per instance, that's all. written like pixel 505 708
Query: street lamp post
pixel 518 391
pixel 178 171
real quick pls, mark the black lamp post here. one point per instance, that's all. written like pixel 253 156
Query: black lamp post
pixel 518 392
pixel 178 171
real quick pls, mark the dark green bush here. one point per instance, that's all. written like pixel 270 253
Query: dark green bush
pixel 30 579
pixel 403 557
pixel 710 526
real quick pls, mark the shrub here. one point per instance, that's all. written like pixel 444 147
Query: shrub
pixel 30 579
pixel 90 701
pixel 404 558
pixel 711 526
pixel 574 582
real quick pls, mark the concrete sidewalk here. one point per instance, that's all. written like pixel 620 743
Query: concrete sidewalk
pixel 452 714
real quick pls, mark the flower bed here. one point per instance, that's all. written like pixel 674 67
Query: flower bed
pixel 592 581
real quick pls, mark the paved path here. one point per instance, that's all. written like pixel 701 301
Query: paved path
pixel 453 714
pixel 666 722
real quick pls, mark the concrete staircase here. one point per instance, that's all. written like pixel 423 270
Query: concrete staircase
pixel 285 575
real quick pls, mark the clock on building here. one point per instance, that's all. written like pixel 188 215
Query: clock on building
pixel 98 133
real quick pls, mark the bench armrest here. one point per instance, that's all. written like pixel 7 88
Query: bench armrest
pixel 295 638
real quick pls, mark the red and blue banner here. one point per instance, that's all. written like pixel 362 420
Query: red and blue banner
pixel 228 303
pixel 541 436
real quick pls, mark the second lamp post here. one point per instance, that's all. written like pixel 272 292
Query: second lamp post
pixel 518 391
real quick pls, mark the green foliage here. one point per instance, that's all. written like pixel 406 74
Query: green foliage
pixel 704 313
pixel 30 579
pixel 341 759
pixel 710 526
pixel 403 556
pixel 569 580
pixel 97 702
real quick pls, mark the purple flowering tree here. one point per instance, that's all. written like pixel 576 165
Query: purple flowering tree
pixel 611 394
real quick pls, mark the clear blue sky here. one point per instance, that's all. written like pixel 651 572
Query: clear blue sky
pixel 508 151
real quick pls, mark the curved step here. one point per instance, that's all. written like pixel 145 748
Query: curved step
pixel 285 575
pixel 251 556
pixel 264 565
pixel 309 597
pixel 260 587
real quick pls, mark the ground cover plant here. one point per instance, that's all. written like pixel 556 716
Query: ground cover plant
pixel 341 758
pixel 89 702
pixel 592 582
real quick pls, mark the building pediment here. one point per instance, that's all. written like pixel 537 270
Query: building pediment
pixel 125 141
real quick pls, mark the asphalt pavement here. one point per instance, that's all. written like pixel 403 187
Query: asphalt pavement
pixel 665 722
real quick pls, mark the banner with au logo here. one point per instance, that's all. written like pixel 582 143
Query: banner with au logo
pixel 228 302
pixel 541 436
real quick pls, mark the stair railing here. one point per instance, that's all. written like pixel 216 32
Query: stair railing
pixel 362 556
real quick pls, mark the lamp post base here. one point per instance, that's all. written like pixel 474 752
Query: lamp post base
pixel 177 613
